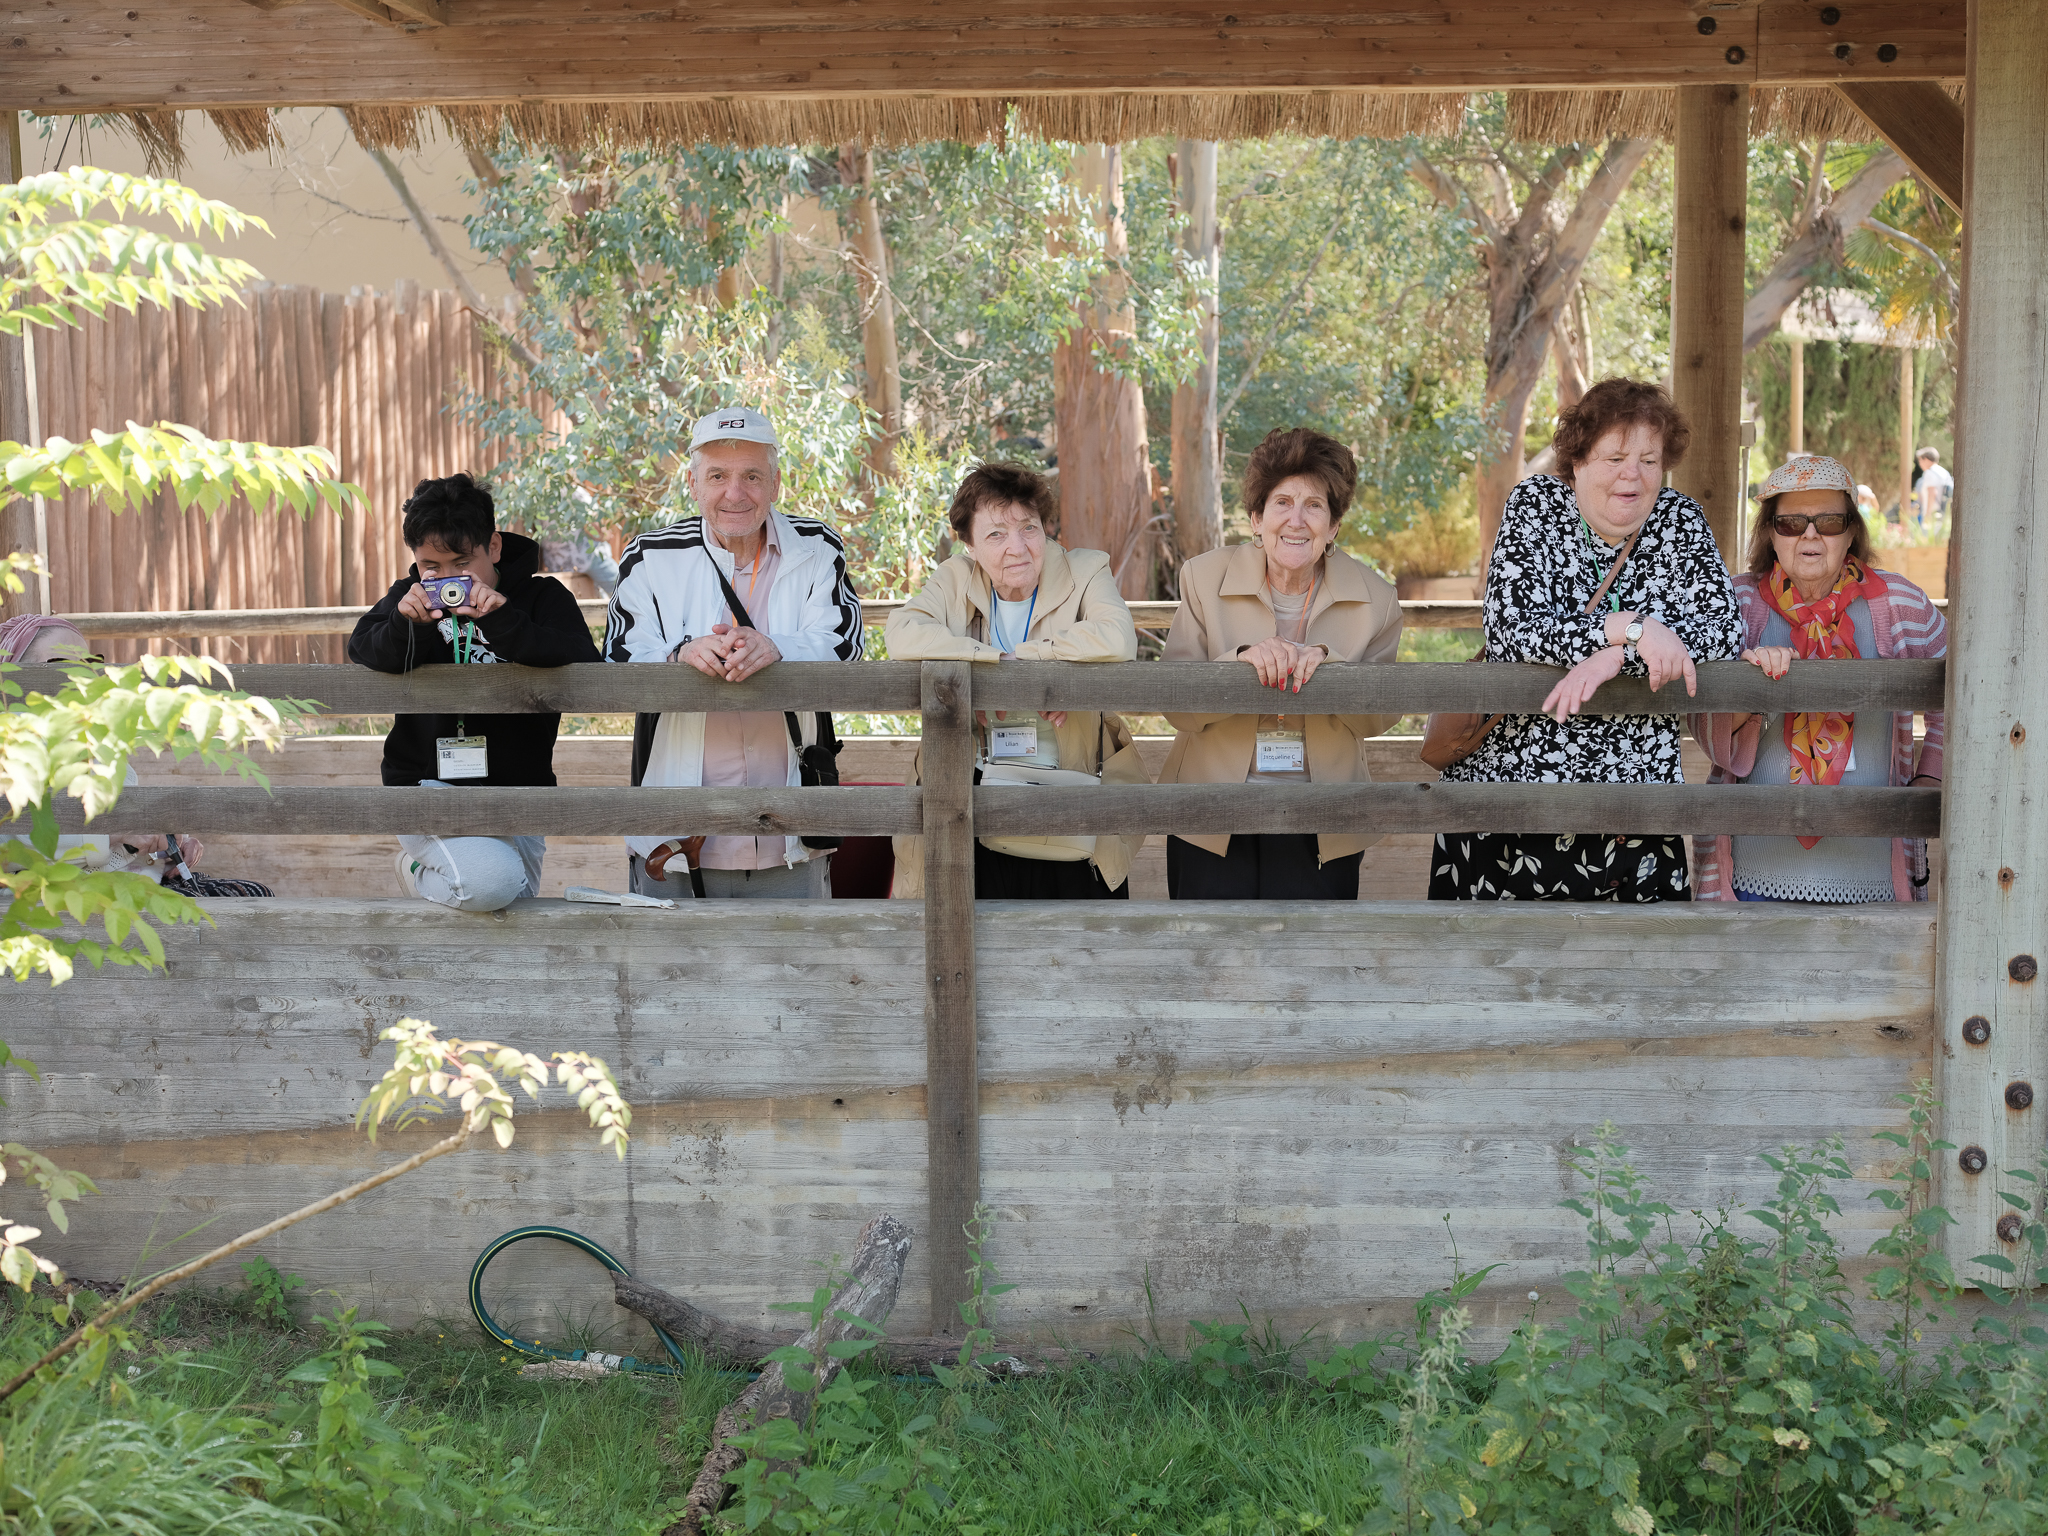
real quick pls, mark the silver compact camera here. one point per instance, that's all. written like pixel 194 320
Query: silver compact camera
pixel 449 592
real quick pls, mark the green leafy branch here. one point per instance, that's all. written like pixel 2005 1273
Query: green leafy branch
pixel 58 267
pixel 126 468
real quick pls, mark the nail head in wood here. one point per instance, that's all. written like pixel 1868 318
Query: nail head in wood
pixel 2019 1095
pixel 1886 53
pixel 2022 968
pixel 1842 51
pixel 2006 878
pixel 2019 735
pixel 2010 1227
pixel 1973 1160
pixel 1708 26
pixel 1977 1029
pixel 1829 15
pixel 1735 55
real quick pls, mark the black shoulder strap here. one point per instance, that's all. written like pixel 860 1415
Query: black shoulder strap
pixel 741 617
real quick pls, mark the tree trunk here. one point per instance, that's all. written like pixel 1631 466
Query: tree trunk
pixel 1197 452
pixel 1813 249
pixel 1533 264
pixel 1099 418
pixel 1572 345
pixel 877 308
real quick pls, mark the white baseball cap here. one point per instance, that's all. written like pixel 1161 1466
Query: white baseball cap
pixel 735 424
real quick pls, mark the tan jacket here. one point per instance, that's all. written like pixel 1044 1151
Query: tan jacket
pixel 1080 614
pixel 1080 617
pixel 1224 606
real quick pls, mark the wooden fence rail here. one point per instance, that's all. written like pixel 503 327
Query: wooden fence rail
pixel 1138 687
pixel 875 612
pixel 950 811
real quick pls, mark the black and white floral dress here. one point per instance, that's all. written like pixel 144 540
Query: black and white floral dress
pixel 1546 565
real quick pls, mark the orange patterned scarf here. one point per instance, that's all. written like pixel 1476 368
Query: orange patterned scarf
pixel 1820 742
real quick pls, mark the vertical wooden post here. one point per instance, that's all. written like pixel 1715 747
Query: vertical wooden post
pixel 17 521
pixel 952 1108
pixel 1712 163
pixel 1796 438
pixel 1991 1002
pixel 1905 435
pixel 1197 454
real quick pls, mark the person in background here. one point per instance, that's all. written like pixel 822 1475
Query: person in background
pixel 1666 603
pixel 678 600
pixel 1933 490
pixel 1282 605
pixel 1011 592
pixel 510 614
pixel 583 554
pixel 1810 592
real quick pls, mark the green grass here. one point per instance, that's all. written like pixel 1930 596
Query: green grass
pixel 1129 1444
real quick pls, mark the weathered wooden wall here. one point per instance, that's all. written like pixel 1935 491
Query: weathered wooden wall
pixel 369 376
pixel 1272 1104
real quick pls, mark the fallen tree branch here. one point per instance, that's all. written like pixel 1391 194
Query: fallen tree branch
pixel 868 1296
pixel 737 1348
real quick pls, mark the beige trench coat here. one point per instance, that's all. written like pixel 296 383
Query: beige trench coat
pixel 1224 607
pixel 1080 617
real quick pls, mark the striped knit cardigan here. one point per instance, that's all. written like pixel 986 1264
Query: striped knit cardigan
pixel 1907 625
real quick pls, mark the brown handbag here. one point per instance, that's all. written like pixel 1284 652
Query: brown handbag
pixel 1449 739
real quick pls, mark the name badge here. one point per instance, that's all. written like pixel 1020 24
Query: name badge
pixel 462 757
pixel 1281 752
pixel 1013 740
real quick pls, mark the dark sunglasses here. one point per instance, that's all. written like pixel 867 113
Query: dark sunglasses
pixel 1793 524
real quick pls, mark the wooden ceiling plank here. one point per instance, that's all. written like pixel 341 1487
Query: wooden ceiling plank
pixel 426 13
pixel 1919 120
pixel 369 10
pixel 224 53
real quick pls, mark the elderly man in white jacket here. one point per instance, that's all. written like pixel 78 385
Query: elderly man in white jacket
pixel 789 574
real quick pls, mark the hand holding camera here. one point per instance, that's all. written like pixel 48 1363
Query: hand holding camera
pixel 467 596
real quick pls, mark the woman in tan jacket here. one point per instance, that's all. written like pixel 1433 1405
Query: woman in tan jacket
pixel 1281 605
pixel 1012 593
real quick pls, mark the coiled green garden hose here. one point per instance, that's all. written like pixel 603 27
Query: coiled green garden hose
pixel 676 1361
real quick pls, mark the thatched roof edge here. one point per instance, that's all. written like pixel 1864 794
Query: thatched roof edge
pixel 1553 117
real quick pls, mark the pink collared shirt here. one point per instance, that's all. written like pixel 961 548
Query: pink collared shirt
pixel 747 750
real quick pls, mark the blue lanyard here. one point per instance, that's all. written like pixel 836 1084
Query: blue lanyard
pixel 995 618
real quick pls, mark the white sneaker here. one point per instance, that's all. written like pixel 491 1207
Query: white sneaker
pixel 408 873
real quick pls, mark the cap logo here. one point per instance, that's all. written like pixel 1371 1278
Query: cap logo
pixel 736 423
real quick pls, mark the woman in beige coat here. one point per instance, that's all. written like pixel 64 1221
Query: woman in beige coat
pixel 1012 593
pixel 1282 605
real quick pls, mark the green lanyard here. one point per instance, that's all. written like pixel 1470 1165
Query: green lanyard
pixel 1599 550
pixel 465 652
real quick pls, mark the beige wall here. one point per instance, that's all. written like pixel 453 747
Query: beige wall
pixel 335 221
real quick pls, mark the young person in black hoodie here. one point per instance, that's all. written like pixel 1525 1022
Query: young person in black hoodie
pixel 511 614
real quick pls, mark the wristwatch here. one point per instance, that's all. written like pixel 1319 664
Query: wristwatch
pixel 1633 635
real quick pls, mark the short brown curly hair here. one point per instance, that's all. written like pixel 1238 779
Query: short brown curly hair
pixel 1000 483
pixel 1287 452
pixel 1614 403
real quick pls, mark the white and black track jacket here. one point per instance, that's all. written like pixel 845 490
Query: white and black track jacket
pixel 668 592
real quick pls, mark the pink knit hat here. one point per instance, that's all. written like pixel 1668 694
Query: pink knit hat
pixel 18 634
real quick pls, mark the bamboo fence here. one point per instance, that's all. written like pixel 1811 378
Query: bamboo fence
pixel 373 377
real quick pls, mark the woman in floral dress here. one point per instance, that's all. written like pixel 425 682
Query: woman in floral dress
pixel 1670 605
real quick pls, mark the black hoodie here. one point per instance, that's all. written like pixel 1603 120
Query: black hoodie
pixel 539 626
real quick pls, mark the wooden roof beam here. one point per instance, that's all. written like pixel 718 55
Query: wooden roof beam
pixel 1919 120
pixel 226 53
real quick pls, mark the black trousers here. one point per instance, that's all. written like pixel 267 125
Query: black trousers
pixel 1267 866
pixel 1005 877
